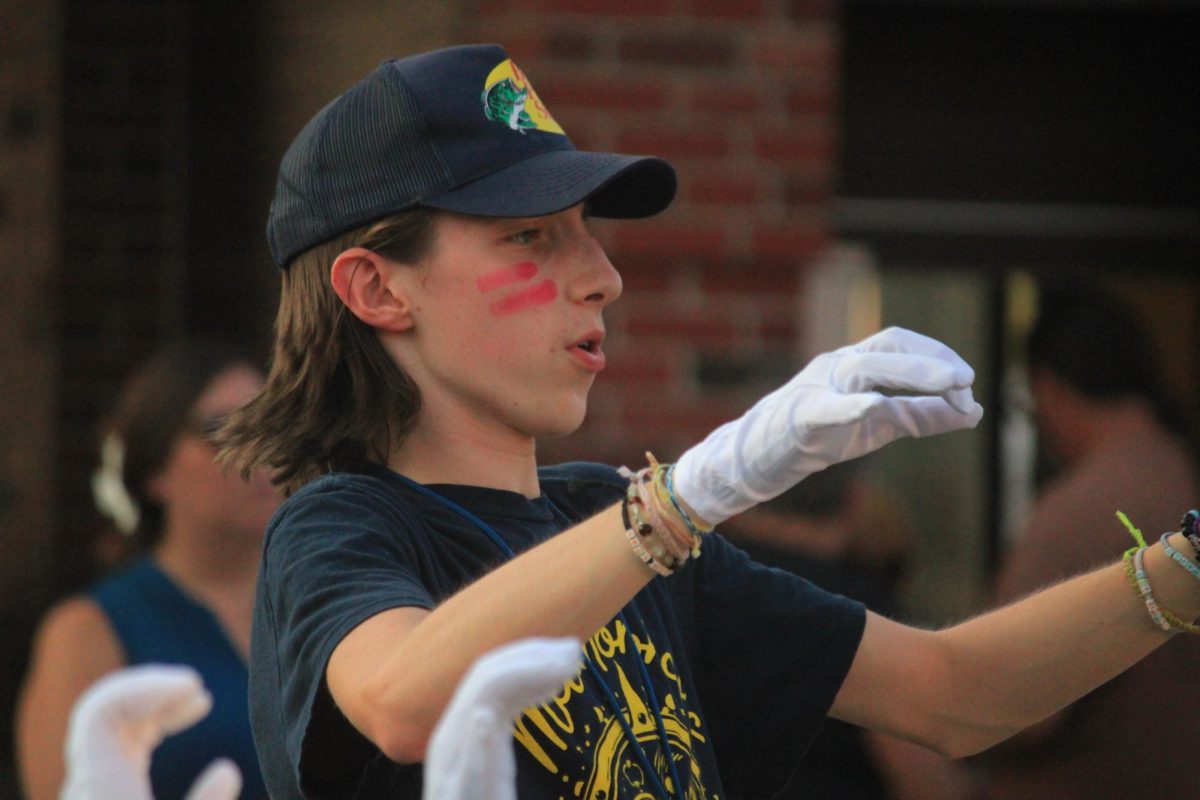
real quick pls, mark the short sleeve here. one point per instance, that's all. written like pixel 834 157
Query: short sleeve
pixel 336 555
pixel 775 649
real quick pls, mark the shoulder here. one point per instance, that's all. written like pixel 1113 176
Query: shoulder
pixel 342 498
pixel 76 638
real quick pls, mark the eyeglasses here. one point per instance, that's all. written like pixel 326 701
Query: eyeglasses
pixel 204 426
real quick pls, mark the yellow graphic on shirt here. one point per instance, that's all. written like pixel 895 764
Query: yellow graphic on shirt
pixel 585 744
pixel 509 98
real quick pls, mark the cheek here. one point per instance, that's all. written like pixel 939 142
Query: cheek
pixel 525 300
pixel 515 288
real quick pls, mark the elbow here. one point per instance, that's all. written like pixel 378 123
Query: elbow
pixel 399 727
pixel 963 740
pixel 404 745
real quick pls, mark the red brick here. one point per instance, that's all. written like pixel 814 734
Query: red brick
pixel 686 426
pixel 608 8
pixel 640 273
pixel 779 330
pixel 570 45
pixel 715 190
pixel 813 98
pixel 814 56
pixel 802 147
pixel 725 99
pixel 698 326
pixel 737 275
pixel 674 144
pixel 679 50
pixel 669 241
pixel 727 9
pixel 794 245
pixel 812 10
pixel 801 192
pixel 601 93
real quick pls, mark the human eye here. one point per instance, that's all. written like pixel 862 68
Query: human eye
pixel 525 236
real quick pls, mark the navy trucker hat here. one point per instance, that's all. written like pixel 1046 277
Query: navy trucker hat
pixel 459 129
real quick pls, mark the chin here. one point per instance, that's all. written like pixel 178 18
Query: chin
pixel 563 424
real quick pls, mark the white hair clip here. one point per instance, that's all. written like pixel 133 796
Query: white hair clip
pixel 108 487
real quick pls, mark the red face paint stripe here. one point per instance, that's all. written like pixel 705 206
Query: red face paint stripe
pixel 525 299
pixel 506 275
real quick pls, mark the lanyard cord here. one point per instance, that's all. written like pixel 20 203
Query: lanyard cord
pixel 644 759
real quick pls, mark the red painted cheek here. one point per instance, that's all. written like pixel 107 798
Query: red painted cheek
pixel 526 299
pixel 506 276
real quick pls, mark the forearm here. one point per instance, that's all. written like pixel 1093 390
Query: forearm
pixel 1021 663
pixel 571 585
pixel 968 687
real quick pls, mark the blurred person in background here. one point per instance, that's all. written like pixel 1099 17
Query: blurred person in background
pixel 187 595
pixel 1107 439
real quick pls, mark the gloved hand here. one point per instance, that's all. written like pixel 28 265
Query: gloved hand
pixel 470 754
pixel 828 413
pixel 117 723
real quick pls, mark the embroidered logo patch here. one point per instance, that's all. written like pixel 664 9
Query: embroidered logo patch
pixel 509 98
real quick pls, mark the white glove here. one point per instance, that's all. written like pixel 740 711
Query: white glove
pixel 828 413
pixel 117 723
pixel 470 754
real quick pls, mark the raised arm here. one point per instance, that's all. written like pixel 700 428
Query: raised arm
pixel 393 675
pixel 965 688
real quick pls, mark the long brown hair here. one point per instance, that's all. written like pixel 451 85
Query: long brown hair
pixel 334 400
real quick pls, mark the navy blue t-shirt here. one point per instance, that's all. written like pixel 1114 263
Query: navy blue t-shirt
pixel 744 661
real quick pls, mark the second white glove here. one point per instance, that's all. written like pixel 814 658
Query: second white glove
pixel 470 754
pixel 116 724
pixel 831 411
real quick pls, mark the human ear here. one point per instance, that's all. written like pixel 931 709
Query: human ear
pixel 361 278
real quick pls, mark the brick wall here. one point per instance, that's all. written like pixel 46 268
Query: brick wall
pixel 29 131
pixel 741 98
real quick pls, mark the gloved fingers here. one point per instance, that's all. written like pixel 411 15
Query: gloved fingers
pixel 521 674
pixel 901 340
pixel 964 402
pixel 920 416
pixel 167 697
pixel 220 780
pixel 861 372
pixel 832 410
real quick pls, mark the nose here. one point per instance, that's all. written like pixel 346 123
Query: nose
pixel 596 281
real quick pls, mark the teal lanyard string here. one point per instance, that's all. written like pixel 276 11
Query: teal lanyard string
pixel 613 703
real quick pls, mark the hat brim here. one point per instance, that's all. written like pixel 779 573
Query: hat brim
pixel 616 186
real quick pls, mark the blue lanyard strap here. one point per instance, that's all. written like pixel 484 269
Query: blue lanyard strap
pixel 642 757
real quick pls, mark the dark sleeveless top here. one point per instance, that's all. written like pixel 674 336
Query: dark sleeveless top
pixel 156 622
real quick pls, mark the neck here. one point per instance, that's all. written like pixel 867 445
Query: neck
pixel 209 560
pixel 468 455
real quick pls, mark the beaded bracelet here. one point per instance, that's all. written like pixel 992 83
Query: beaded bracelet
pixel 1188 527
pixel 670 538
pixel 643 528
pixel 1179 557
pixel 1136 572
pixel 656 524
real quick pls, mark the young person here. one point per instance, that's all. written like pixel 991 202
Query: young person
pixel 442 310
